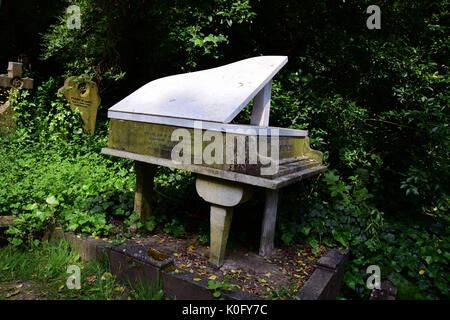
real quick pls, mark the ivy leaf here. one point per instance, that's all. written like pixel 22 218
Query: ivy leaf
pixel 52 202
pixel 305 230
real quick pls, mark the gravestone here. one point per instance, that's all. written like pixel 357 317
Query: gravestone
pixel 203 103
pixel 14 77
pixel 14 81
pixel 83 95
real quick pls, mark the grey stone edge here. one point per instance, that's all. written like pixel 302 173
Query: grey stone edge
pixel 131 265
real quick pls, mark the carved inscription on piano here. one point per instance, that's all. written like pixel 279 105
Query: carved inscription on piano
pixel 156 140
pixel 159 142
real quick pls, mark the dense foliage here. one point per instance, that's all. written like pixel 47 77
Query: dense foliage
pixel 375 101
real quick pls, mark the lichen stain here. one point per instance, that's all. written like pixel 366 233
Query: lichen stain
pixel 169 269
pixel 155 254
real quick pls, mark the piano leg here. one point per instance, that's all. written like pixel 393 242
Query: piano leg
pixel 220 227
pixel 269 221
pixel 145 173
pixel 223 195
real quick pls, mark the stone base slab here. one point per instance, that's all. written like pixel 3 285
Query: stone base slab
pixel 131 263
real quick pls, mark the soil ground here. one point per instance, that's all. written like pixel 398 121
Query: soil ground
pixel 19 290
pixel 281 274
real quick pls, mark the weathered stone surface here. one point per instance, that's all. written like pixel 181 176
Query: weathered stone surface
pixel 206 125
pixel 130 264
pixel 269 221
pixel 325 282
pixel 220 227
pixel 261 106
pixel 386 292
pixel 89 249
pixel 83 95
pixel 145 174
pixel 156 140
pixel 223 196
pixel 330 260
pixel 129 267
pixel 6 221
pixel 276 183
pixel 221 192
pixel 140 253
pixel 7 124
pixel 14 77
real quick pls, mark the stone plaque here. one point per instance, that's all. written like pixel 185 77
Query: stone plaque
pixel 7 124
pixel 83 95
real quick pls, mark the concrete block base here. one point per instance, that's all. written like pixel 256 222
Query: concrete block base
pixel 130 263
pixel 325 282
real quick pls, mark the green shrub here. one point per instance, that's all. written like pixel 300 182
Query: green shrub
pixel 30 225
pixel 374 101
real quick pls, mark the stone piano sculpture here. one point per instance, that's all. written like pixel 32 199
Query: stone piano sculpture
pixel 183 122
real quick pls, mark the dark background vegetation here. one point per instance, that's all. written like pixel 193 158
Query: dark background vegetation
pixel 374 101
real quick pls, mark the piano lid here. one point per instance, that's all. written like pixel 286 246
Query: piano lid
pixel 216 95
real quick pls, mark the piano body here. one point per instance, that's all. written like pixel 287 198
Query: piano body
pixel 183 122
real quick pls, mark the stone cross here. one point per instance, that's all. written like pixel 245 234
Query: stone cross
pixel 14 77
pixel 15 81
pixel 83 95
